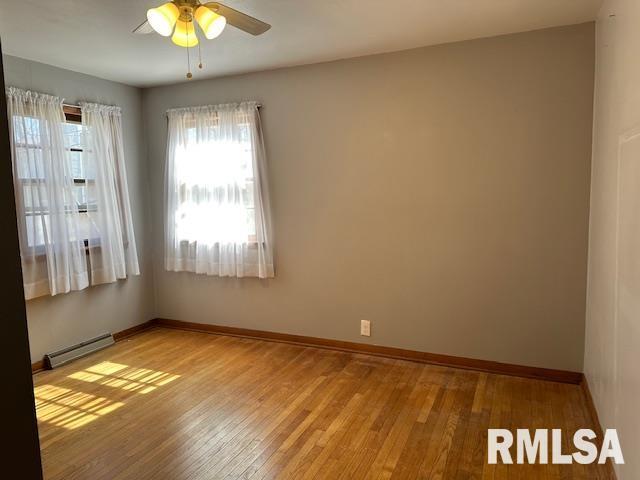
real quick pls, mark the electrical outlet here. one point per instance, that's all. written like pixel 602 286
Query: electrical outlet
pixel 365 328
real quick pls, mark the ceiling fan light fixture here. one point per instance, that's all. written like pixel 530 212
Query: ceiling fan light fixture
pixel 163 18
pixel 185 35
pixel 211 23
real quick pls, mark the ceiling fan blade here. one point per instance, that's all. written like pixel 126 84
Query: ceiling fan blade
pixel 143 28
pixel 238 19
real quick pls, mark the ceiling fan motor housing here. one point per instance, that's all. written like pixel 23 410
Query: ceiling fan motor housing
pixel 188 7
pixel 186 10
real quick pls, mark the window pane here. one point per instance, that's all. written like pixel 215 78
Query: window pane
pixel 89 168
pixel 77 170
pixel 83 198
pixel 251 221
pixel 250 206
pixel 72 135
pixel 80 194
pixel 86 229
pixel 34 197
pixel 35 229
pixel 90 194
pixel 29 163
pixel 247 194
pixel 26 130
pixel 247 166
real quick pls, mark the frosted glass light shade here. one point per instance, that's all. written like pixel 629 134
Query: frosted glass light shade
pixel 211 23
pixel 185 35
pixel 163 18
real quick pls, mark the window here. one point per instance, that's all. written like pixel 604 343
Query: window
pixel 224 168
pixel 218 219
pixel 82 173
pixel 32 174
pixel 75 224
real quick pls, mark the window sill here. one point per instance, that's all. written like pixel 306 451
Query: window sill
pixel 249 243
pixel 41 253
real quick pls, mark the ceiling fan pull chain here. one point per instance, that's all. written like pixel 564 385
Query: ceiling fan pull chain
pixel 199 57
pixel 189 74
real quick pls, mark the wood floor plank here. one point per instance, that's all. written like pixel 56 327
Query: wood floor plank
pixel 178 405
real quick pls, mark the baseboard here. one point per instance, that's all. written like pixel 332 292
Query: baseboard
pixel 121 335
pixel 562 376
pixel 118 336
pixel 37 366
pixel 591 406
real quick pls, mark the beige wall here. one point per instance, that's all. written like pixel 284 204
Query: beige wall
pixel 612 352
pixel 61 321
pixel 441 193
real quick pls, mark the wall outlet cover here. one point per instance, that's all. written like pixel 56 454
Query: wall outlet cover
pixel 365 328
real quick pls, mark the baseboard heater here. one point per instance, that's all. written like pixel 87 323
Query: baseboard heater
pixel 66 355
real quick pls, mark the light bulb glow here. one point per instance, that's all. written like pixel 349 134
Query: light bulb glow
pixel 211 23
pixel 163 18
pixel 185 35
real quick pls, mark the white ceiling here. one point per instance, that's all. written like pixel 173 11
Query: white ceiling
pixel 94 36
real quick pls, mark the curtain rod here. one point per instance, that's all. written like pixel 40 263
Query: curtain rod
pixel 258 106
pixel 78 106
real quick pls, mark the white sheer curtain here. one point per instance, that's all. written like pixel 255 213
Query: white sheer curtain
pixel 111 239
pixel 51 244
pixel 217 204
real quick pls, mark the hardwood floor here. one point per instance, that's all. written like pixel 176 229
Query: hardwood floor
pixel 169 404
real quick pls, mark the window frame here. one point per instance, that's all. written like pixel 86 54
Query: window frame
pixel 72 114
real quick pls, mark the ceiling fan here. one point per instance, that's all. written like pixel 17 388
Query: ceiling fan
pixel 179 17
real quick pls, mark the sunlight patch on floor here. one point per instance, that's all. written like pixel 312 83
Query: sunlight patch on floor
pixel 70 409
pixel 66 408
pixel 117 375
